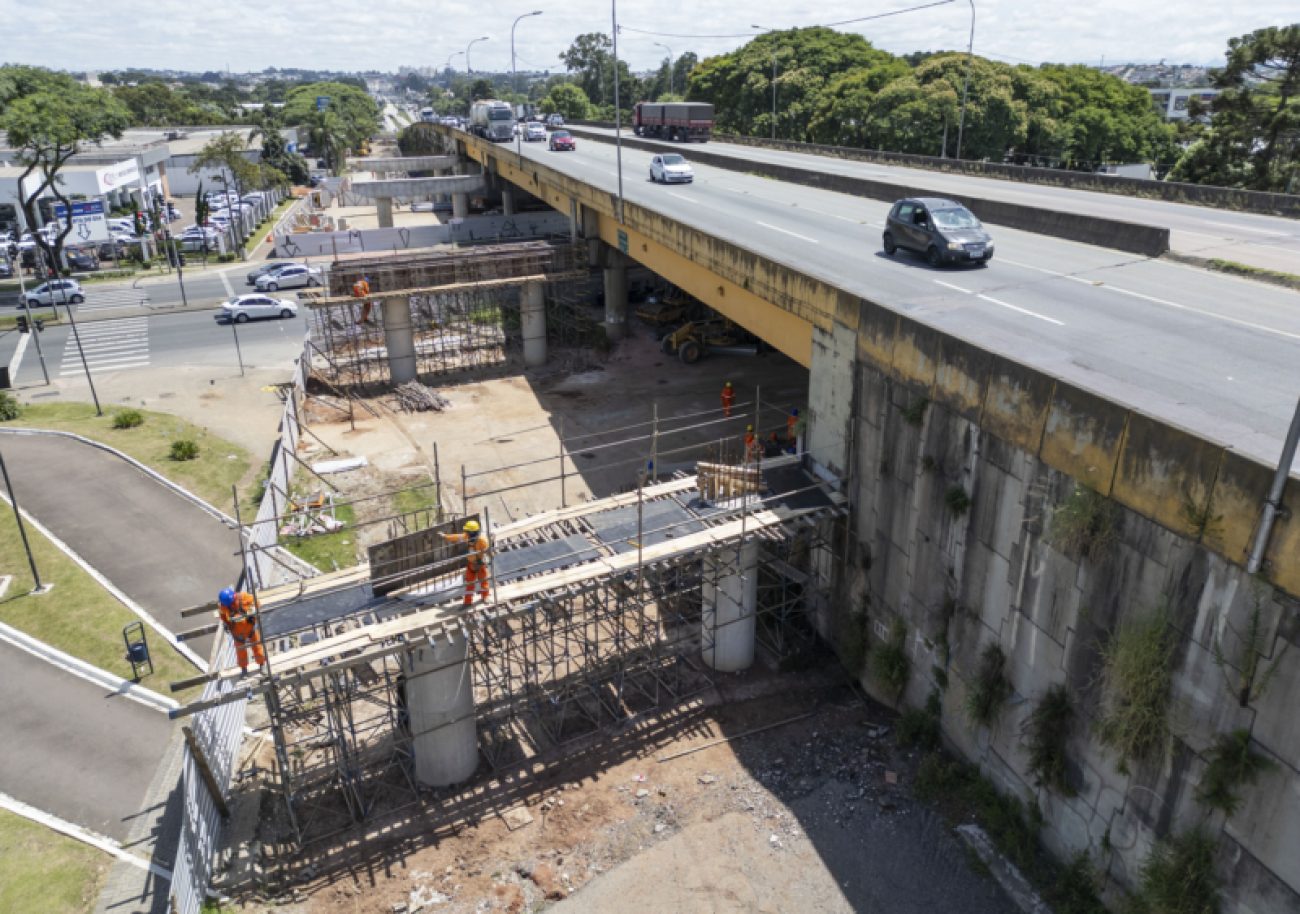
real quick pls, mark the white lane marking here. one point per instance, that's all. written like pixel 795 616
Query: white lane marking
pixel 1244 228
pixel 17 360
pixel 948 285
pixel 834 216
pixel 225 281
pixel 788 232
pixel 682 197
pixel 85 835
pixel 1099 284
pixel 1041 317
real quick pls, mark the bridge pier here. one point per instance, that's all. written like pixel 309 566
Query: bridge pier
pixel 385 207
pixel 615 294
pixel 507 199
pixel 399 337
pixel 729 592
pixel 440 704
pixel 532 307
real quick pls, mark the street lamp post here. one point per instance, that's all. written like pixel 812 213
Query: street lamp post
pixel 469 68
pixel 618 114
pixel 965 85
pixel 514 78
pixel 765 29
pixel 660 44
pixel 447 66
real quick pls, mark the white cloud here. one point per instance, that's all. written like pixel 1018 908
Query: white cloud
pixel 347 35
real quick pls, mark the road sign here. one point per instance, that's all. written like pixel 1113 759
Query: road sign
pixel 322 102
pixel 622 241
pixel 88 222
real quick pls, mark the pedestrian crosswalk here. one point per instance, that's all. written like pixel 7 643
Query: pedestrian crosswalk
pixel 103 299
pixel 112 345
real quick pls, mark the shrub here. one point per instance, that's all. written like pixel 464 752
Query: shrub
pixel 914 414
pixel 1178 877
pixel 1086 523
pixel 889 663
pixel 1233 764
pixel 1138 667
pixel 990 688
pixel 1045 734
pixel 957 500
pixel 9 408
pixel 1074 891
pixel 919 727
pixel 184 449
pixel 128 418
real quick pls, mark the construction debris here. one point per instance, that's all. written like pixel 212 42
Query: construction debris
pixel 414 397
pixel 342 465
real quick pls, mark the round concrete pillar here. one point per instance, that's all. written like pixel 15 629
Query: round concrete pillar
pixel 460 206
pixel 399 337
pixel 615 294
pixel 385 207
pixel 532 307
pixel 730 605
pixel 440 702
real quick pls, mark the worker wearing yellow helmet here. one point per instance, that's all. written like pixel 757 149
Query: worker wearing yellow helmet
pixel 476 562
pixel 728 398
pixel 751 444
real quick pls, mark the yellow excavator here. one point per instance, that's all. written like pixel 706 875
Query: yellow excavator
pixel 694 338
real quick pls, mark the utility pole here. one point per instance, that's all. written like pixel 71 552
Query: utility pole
pixel 31 322
pixel 22 531
pixel 965 86
pixel 618 114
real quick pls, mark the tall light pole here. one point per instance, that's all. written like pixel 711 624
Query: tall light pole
pixel 660 44
pixel 469 68
pixel 618 114
pixel 447 65
pixel 765 29
pixel 514 79
pixel 965 85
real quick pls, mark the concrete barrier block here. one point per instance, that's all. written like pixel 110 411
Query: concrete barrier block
pixel 1016 401
pixel 1166 474
pixel 1082 436
pixel 916 354
pixel 961 378
pixel 1236 503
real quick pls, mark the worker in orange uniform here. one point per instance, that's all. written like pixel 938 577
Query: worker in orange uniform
pixel 751 445
pixel 239 615
pixel 476 563
pixel 361 290
pixel 728 398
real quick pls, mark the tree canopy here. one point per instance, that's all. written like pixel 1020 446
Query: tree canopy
pixel 591 61
pixel 355 115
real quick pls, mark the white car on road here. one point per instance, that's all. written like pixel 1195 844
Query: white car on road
pixel 671 168
pixel 243 308
pixel 292 276
pixel 57 291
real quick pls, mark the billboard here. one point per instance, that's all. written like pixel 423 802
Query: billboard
pixel 88 221
pixel 123 174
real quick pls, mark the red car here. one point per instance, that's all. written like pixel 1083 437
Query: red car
pixel 562 139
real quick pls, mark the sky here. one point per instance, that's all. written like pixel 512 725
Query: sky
pixel 345 35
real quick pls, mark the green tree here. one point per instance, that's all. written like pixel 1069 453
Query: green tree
pixel 48 117
pixel 480 89
pixel 356 115
pixel 228 153
pixel 419 139
pixel 327 137
pixel 591 61
pixel 567 99
pixel 1087 118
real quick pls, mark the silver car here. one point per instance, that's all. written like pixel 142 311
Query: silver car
pixel 292 276
pixel 243 308
pixel 56 291
pixel 671 168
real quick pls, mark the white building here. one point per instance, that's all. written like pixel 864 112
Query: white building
pixel 1173 103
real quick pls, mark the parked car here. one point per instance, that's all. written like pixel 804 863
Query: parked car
pixel 107 249
pixel 266 269
pixel 243 308
pixel 6 268
pixel 292 276
pixel 942 230
pixel 555 120
pixel 562 140
pixel 56 291
pixel 81 259
pixel 671 168
pixel 534 131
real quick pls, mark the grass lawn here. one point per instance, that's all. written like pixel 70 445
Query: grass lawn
pixel 258 236
pixel 42 870
pixel 327 551
pixel 78 616
pixel 10 320
pixel 408 501
pixel 219 464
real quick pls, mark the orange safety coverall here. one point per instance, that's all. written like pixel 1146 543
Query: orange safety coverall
pixel 728 398
pixel 751 446
pixel 241 621
pixel 476 564
pixel 360 289
pixel 791 423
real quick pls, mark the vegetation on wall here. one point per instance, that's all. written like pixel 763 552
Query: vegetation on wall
pixel 888 663
pixel 1045 734
pixel 1232 765
pixel 1178 878
pixel 1086 524
pixel 1245 667
pixel 989 689
pixel 1136 676
pixel 918 728
pixel 957 500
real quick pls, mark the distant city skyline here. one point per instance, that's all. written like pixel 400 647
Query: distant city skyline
pixel 330 35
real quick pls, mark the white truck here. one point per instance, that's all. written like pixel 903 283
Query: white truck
pixel 493 120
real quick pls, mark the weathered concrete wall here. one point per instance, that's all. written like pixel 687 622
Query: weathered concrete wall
pixel 934 415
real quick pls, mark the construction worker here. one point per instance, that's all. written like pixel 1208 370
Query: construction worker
pixel 728 399
pixel 791 421
pixel 751 445
pixel 476 563
pixel 239 615
pixel 361 289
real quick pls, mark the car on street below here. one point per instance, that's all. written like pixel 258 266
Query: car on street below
pixel 534 131
pixel 56 291
pixel 82 259
pixel 291 276
pixel 562 140
pixel 243 308
pixel 671 168
pixel 555 120
pixel 941 230
pixel 266 269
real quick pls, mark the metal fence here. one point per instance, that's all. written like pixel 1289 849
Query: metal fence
pixel 218 732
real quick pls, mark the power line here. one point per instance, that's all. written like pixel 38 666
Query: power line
pixel 885 15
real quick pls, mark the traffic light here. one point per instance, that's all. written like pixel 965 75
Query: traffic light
pixel 22 323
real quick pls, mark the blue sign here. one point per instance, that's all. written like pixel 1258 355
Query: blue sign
pixel 88 223
pixel 322 102
pixel 290 147
pixel 88 208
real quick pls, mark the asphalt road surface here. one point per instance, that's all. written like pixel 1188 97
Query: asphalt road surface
pixel 1272 242
pixel 1211 353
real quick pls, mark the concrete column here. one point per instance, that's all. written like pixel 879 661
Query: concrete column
pixel 591 232
pixel 440 703
pixel 399 337
pixel 385 207
pixel 507 199
pixel 532 306
pixel 460 206
pixel 730 607
pixel 615 294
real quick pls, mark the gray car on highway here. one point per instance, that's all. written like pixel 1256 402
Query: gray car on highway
pixel 942 230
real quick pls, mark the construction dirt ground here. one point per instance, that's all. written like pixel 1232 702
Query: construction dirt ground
pixel 780 789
